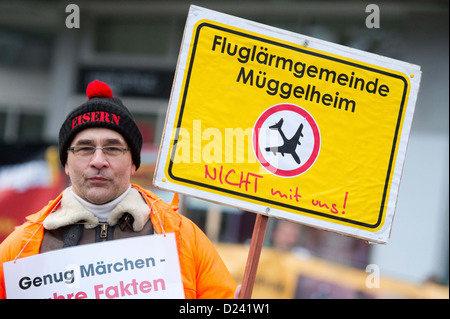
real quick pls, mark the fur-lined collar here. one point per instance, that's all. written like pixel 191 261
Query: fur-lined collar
pixel 71 212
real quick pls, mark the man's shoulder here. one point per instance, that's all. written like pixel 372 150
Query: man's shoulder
pixel 169 213
pixel 39 216
pixel 155 200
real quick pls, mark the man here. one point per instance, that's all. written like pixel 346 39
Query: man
pixel 99 146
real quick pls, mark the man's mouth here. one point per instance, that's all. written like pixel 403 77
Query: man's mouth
pixel 98 179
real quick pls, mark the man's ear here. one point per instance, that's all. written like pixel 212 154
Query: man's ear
pixel 66 169
pixel 133 169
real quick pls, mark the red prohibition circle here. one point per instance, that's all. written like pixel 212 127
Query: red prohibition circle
pixel 316 134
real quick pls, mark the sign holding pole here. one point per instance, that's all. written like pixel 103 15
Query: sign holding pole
pixel 254 253
pixel 288 126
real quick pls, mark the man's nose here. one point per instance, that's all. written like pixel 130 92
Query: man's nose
pixel 99 159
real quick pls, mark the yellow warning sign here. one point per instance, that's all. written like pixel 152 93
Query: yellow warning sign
pixel 275 123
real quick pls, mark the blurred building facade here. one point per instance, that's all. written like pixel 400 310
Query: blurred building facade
pixel 133 46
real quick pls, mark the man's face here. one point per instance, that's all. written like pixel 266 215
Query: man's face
pixel 99 179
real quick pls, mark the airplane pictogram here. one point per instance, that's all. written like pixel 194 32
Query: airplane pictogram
pixel 289 145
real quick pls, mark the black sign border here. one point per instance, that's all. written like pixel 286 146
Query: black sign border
pixel 265 200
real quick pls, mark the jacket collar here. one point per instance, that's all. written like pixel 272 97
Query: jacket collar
pixel 161 215
pixel 71 211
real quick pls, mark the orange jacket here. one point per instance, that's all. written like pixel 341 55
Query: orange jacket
pixel 203 272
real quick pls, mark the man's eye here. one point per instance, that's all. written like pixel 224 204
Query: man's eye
pixel 113 150
pixel 86 150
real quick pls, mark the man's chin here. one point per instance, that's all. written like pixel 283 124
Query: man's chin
pixel 99 196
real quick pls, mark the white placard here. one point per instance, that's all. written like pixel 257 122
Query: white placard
pixel 144 267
